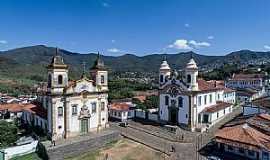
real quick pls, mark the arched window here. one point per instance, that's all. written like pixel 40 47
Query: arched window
pixel 49 81
pixel 102 77
pixel 188 78
pixel 166 100
pixel 161 78
pixel 180 102
pixel 60 79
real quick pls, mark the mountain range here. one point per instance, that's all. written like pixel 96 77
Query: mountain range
pixel 32 60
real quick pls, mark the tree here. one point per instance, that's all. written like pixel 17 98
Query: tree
pixel 8 133
pixel 151 102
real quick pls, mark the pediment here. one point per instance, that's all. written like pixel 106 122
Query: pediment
pixel 82 85
pixel 174 90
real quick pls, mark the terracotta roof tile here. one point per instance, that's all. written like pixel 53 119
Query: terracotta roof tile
pixel 12 107
pixel 246 134
pixel 140 98
pixel 119 106
pixel 36 109
pixel 262 102
pixel 207 86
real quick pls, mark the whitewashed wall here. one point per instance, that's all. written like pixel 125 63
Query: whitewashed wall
pixel 183 112
pixel 249 110
pixel 12 152
pixel 153 117
pixel 140 113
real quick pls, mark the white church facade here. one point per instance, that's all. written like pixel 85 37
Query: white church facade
pixel 191 102
pixel 75 107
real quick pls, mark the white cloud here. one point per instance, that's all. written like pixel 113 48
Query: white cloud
pixel 3 42
pixel 187 25
pixel 184 44
pixel 199 44
pixel 266 47
pixel 180 44
pixel 210 37
pixel 113 50
pixel 104 4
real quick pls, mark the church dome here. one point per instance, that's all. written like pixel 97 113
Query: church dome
pixel 164 65
pixel 191 64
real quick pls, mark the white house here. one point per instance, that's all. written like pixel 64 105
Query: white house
pixel 120 111
pixel 189 101
pixel 74 107
pixel 257 106
pixel 248 86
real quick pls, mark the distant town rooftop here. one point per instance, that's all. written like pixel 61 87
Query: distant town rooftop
pixel 252 133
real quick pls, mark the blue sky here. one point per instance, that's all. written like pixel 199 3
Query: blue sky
pixel 115 27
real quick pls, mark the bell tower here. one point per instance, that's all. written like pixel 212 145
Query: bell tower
pixel 57 74
pixel 191 75
pixel 99 74
pixel 164 72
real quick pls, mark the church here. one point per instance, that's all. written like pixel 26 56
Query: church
pixel 190 102
pixel 73 107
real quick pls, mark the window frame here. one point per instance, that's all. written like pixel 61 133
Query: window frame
pixel 60 79
pixel 180 99
pixel 94 107
pixel 102 106
pixel 167 100
pixel 60 111
pixel 102 79
pixel 74 108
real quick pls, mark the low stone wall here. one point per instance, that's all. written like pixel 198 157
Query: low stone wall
pixel 20 150
pixel 82 146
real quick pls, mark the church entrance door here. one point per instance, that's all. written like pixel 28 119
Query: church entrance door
pixel 173 116
pixel 84 126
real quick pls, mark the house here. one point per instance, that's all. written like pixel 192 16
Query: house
pixel 248 86
pixel 120 111
pixel 11 110
pixel 35 115
pixel 189 101
pixel 257 106
pixel 247 137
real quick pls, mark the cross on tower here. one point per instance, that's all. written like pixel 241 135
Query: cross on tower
pixel 84 64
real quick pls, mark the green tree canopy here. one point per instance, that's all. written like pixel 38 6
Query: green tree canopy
pixel 8 133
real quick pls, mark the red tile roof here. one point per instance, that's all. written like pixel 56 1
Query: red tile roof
pixel 119 106
pixel 206 86
pixel 140 98
pixel 242 76
pixel 246 135
pixel 217 107
pixel 33 108
pixel 12 107
pixel 36 109
pixel 262 102
pixel 228 90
